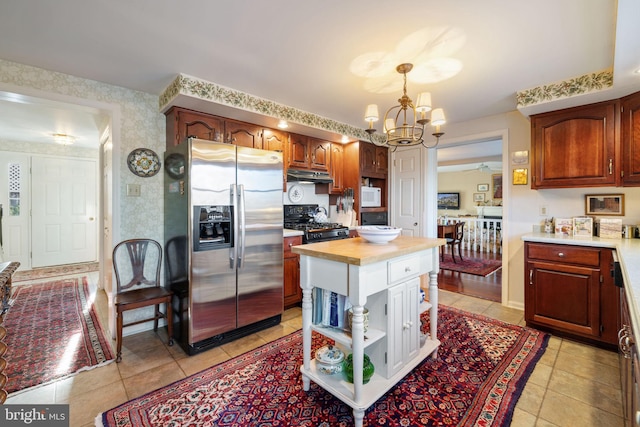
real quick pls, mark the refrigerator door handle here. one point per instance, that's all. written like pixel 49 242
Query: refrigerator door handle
pixel 233 250
pixel 243 225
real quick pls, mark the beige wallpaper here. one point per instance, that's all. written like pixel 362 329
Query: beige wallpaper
pixel 141 125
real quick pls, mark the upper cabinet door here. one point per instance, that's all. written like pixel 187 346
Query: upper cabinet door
pixel 243 134
pixel 630 127
pixel 183 124
pixel 575 147
pixel 298 151
pixel 320 154
pixel 274 140
pixel 337 169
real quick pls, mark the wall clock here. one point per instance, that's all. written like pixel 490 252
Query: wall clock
pixel 143 162
pixel 296 193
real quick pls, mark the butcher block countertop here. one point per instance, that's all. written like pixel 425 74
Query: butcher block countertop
pixel 357 251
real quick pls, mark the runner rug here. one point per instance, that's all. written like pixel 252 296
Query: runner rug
pixel 481 369
pixel 469 265
pixel 52 332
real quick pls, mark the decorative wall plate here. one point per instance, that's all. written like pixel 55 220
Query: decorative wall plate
pixel 295 193
pixel 143 162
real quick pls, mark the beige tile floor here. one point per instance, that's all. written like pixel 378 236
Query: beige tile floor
pixel 572 384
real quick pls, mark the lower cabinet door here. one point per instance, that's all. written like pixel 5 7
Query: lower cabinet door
pixel 563 297
pixel 403 324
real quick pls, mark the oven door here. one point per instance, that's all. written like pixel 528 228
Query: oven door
pixel 374 218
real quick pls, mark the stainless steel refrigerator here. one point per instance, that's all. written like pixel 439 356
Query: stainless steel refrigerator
pixel 223 241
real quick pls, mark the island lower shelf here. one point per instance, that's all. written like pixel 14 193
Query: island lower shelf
pixel 377 386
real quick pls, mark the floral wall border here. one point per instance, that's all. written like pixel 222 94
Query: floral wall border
pixel 202 89
pixel 577 86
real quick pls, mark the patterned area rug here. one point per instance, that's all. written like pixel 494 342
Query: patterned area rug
pixel 482 367
pixel 52 332
pixel 475 266
pixel 58 270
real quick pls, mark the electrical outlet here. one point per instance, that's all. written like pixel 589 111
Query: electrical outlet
pixel 133 190
pixel 543 210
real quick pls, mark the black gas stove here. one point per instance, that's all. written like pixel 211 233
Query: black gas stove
pixel 302 217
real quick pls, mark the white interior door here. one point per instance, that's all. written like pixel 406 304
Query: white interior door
pixel 64 210
pixel 406 195
pixel 15 201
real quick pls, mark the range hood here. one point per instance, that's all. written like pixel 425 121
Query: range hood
pixel 307 176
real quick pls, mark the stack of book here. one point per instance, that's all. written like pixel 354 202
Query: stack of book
pixel 330 309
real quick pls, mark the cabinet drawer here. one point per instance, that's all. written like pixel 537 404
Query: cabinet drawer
pixel 290 242
pixel 565 254
pixel 402 269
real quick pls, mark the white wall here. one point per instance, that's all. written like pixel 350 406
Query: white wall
pixel 521 209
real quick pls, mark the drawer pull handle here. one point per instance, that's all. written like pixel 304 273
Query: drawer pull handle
pixel 610 166
pixel 560 254
pixel 531 277
pixel 407 269
pixel 290 245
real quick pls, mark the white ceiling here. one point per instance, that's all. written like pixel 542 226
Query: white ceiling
pixel 300 53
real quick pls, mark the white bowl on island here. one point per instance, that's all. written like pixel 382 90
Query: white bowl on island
pixel 378 233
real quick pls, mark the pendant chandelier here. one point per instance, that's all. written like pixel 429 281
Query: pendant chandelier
pixel 404 124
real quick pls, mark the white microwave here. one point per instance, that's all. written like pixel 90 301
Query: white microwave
pixel 371 197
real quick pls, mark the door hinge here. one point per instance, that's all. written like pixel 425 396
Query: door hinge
pixel 385 357
pixel 601 278
pixel 385 309
pixel 601 328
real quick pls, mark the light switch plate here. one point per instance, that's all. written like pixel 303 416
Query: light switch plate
pixel 133 190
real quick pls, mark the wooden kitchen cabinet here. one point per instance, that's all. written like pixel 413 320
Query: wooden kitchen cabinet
pixel 575 147
pixel 630 134
pixel 275 140
pixel 306 152
pixel 629 365
pixel 569 291
pixel 243 134
pixel 292 289
pixel 183 123
pixel 336 169
pixel 374 160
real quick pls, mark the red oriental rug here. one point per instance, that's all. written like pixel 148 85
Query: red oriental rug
pixel 482 367
pixel 52 332
pixel 469 265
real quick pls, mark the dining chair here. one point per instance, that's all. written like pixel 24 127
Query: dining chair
pixel 137 263
pixel 453 241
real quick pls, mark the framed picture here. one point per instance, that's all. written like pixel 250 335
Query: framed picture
pixel 520 176
pixel 478 197
pixel 604 204
pixel 583 226
pixel 483 187
pixel 496 185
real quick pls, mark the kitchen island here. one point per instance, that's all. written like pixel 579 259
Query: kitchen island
pixel 385 278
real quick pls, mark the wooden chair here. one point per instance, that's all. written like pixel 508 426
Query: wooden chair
pixel 453 241
pixel 137 263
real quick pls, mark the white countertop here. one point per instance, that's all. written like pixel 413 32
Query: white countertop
pixel 291 233
pixel 628 251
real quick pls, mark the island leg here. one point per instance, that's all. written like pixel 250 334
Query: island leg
pixel 358 417
pixel 433 313
pixel 307 313
pixel 357 343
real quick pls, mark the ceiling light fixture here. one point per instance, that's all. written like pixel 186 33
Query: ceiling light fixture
pixel 404 123
pixel 282 124
pixel 63 138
